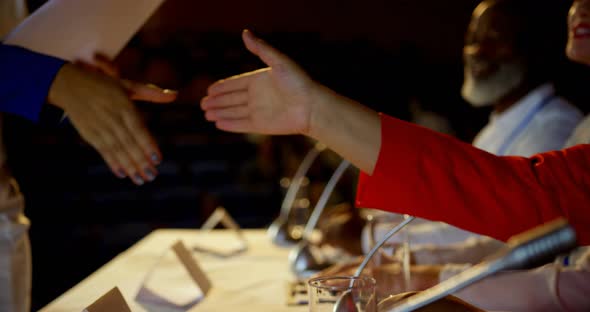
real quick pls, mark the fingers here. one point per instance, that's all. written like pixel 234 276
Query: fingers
pixel 113 163
pixel 149 93
pixel 235 83
pixel 106 65
pixel 123 142
pixel 123 154
pixel 267 53
pixel 225 100
pixel 235 125
pixel 145 151
pixel 236 112
pixel 101 63
pixel 115 155
pixel 109 154
pixel 104 115
pixel 86 66
pixel 137 91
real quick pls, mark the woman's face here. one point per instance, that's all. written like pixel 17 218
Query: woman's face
pixel 578 45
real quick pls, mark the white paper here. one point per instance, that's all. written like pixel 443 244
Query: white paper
pixel 77 29
pixel 176 283
pixel 220 215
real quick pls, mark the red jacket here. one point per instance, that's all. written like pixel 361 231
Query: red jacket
pixel 434 176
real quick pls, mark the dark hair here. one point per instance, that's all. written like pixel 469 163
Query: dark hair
pixel 539 24
pixel 540 32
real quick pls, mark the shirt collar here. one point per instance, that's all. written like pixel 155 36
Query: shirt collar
pixel 517 112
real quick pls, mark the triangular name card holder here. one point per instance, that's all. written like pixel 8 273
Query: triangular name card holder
pixel 221 216
pixel 112 301
pixel 176 283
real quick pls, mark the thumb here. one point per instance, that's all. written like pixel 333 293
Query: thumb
pixel 267 53
pixel 149 93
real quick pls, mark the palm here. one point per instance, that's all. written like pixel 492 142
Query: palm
pixel 274 100
pixel 278 104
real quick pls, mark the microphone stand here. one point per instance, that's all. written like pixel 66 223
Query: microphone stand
pixel 302 258
pixel 525 250
pixel 279 231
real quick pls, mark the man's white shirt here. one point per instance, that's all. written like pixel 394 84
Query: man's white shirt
pixel 541 121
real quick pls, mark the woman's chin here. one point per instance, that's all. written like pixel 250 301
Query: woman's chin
pixel 579 52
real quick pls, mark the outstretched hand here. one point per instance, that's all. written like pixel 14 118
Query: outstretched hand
pixel 273 100
pixel 283 99
pixel 99 106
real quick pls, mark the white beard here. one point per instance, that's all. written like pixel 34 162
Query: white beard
pixel 486 92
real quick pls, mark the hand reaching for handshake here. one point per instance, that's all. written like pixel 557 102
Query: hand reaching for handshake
pixel 99 105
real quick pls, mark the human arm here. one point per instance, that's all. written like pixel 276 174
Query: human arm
pixel 547 288
pixel 426 174
pixel 407 168
pixel 424 233
pixel 98 105
pixel 391 278
pixel 100 108
pixel 283 99
pixel 472 250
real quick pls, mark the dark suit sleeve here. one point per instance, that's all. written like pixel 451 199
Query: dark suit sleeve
pixel 25 79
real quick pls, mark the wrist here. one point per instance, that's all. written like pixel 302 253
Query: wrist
pixel 321 101
pixel 58 90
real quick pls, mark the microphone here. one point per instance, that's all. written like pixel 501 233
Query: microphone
pixel 279 231
pixel 303 258
pixel 526 250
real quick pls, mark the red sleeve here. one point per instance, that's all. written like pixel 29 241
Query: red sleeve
pixel 434 176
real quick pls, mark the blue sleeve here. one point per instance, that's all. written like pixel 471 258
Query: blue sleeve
pixel 25 79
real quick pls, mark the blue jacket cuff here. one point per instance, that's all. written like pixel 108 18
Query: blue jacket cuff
pixel 26 77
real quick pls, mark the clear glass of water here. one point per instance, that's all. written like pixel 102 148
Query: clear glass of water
pixel 324 292
pixel 395 251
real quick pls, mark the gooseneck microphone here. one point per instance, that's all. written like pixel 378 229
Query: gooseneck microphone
pixel 279 231
pixel 302 258
pixel 526 250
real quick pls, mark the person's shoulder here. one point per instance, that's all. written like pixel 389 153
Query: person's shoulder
pixel 585 123
pixel 581 134
pixel 550 128
pixel 558 113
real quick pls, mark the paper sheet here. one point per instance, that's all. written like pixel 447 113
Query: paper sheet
pixel 177 283
pixel 77 29
pixel 220 215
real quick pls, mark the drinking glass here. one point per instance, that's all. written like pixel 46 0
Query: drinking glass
pixel 324 292
pixel 388 254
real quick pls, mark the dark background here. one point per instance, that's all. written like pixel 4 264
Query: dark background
pixel 382 53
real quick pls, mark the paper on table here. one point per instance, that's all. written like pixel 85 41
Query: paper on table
pixel 77 29
pixel 220 215
pixel 176 283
